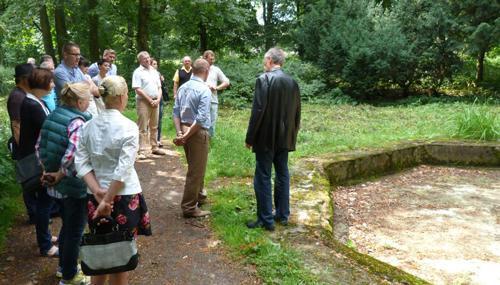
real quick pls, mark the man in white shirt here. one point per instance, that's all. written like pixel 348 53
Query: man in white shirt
pixel 147 86
pixel 215 75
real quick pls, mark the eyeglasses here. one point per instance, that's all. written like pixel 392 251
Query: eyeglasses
pixel 75 54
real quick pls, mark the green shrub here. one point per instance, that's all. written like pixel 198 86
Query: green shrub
pixel 243 72
pixel 9 190
pixel 478 122
pixel 6 80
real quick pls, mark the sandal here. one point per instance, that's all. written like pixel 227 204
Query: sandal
pixel 54 239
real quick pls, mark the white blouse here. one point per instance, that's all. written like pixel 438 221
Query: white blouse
pixel 108 145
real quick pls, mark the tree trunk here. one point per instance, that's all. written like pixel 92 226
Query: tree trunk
pixel 61 32
pixel 203 37
pixel 46 34
pixel 130 36
pixel 480 66
pixel 268 8
pixel 93 20
pixel 142 28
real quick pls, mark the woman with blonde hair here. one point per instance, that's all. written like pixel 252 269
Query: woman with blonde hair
pixel 105 160
pixel 56 147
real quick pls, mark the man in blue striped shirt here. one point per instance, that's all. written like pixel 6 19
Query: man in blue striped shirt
pixel 192 120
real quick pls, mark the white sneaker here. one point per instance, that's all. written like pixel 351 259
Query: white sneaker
pixel 79 279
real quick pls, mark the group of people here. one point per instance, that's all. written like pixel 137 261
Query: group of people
pixel 87 148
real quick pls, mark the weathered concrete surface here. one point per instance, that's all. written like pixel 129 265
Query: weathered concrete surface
pixel 441 224
pixel 476 154
pixel 349 167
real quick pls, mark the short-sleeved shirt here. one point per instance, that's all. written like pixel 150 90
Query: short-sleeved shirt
pixel 148 80
pixel 94 70
pixel 14 102
pixel 193 103
pixel 216 75
pixel 65 74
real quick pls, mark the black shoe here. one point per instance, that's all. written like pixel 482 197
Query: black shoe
pixel 259 224
pixel 283 222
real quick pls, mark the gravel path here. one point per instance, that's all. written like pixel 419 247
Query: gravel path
pixel 181 251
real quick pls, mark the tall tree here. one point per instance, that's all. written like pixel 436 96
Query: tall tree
pixel 46 33
pixel 93 21
pixel 60 21
pixel 268 14
pixel 203 35
pixel 481 28
pixel 142 28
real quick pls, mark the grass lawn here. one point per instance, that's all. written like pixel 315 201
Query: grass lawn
pixel 330 129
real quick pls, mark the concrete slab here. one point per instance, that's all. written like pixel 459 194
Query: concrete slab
pixel 441 224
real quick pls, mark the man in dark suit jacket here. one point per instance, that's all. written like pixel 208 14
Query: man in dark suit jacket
pixel 272 133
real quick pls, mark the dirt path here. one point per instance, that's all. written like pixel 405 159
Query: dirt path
pixel 181 251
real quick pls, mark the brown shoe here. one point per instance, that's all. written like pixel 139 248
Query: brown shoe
pixel 196 214
pixel 141 156
pixel 159 152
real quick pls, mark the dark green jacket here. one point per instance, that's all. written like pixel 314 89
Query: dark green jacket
pixel 53 144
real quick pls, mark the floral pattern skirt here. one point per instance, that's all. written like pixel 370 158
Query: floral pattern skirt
pixel 129 211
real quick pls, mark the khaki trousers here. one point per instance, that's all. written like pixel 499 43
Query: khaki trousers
pixel 196 150
pixel 148 125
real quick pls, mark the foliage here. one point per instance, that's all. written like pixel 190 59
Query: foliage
pixel 368 47
pixel 478 122
pixel 242 73
pixel 6 80
pixel 480 27
pixel 9 191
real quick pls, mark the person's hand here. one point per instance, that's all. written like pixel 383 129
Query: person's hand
pixel 179 141
pixel 99 195
pixel 154 102
pixel 103 210
pixel 212 87
pixel 52 178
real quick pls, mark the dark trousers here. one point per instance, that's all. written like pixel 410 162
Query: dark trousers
pixel 196 149
pixel 262 186
pixel 74 218
pixel 29 199
pixel 160 117
pixel 44 204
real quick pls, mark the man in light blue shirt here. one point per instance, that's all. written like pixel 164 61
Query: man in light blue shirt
pixel 68 71
pixel 109 55
pixel 192 120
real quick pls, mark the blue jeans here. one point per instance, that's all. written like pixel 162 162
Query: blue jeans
pixel 262 186
pixel 74 218
pixel 160 116
pixel 44 204
pixel 214 110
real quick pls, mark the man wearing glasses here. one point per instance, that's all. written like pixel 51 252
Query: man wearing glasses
pixel 68 71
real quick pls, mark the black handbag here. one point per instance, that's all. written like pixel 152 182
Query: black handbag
pixel 113 251
pixel 29 172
